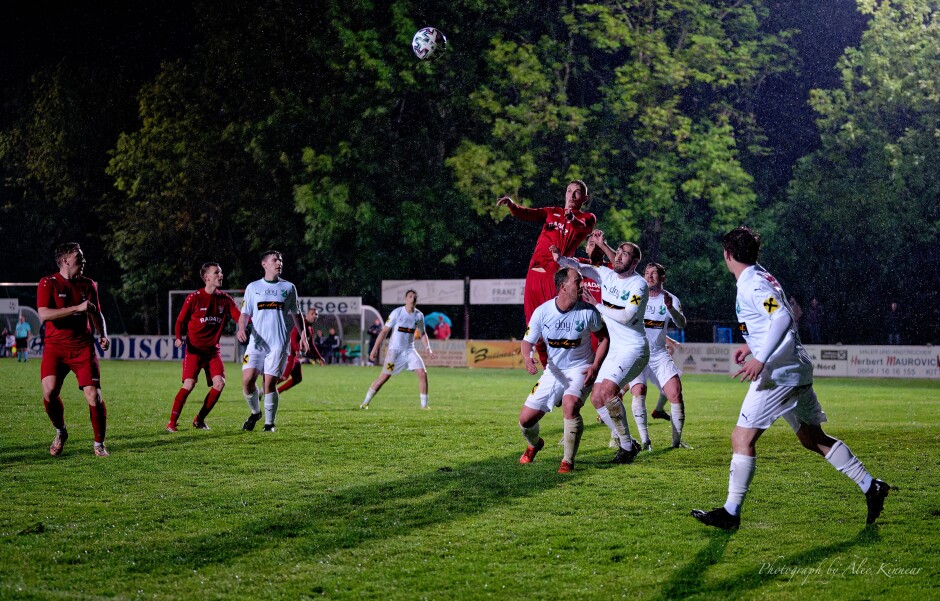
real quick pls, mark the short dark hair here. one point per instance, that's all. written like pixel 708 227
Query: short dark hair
pixel 407 292
pixel 268 253
pixel 635 251
pixel 205 268
pixel 659 268
pixel 581 185
pixel 743 244
pixel 561 276
pixel 65 249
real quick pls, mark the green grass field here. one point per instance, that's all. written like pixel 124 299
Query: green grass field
pixel 398 503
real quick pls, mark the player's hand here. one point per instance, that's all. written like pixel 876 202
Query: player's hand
pixel 430 352
pixel 750 371
pixel 178 343
pixel 590 374
pixel 373 357
pixel 104 343
pixel 667 299
pixel 555 252
pixel 504 201
pixel 741 353
pixel 587 297
pixel 530 366
pixel 304 346
pixel 242 336
pixel 598 236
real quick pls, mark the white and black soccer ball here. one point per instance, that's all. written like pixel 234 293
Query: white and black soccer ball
pixel 428 43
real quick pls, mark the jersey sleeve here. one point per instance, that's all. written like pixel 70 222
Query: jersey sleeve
pixel 183 317
pixel 533 330
pixel 45 294
pixel 392 318
pixel 247 302
pixel 527 214
pixel 419 323
pixel 293 301
pixel 596 322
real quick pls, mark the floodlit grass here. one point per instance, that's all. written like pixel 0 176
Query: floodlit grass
pixel 398 503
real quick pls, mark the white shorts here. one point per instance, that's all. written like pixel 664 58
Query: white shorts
pixel 765 403
pixel 398 360
pixel 555 384
pixel 660 370
pixel 623 366
pixel 269 362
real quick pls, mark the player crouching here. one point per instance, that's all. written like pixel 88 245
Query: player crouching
pixel 565 323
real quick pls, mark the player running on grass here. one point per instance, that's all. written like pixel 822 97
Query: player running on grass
pixel 400 327
pixel 271 304
pixel 566 324
pixel 201 321
pixel 68 303
pixel 625 295
pixel 781 375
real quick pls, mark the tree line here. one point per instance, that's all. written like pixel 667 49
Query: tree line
pixel 311 127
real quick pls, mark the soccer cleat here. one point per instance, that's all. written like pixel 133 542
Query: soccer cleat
pixel 875 498
pixel 657 414
pixel 625 456
pixel 425 407
pixel 681 445
pixel 565 467
pixel 364 406
pixel 270 428
pixel 200 425
pixel 718 517
pixel 251 421
pixel 530 452
pixel 55 449
pixel 100 451
pixel 647 446
pixel 171 427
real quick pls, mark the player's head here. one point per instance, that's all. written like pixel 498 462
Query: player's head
pixel 627 257
pixel 272 262
pixel 211 273
pixel 411 298
pixel 312 314
pixel 70 256
pixel 654 274
pixel 594 251
pixel 567 276
pixel 741 244
pixel 576 194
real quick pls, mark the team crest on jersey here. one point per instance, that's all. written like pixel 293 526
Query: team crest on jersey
pixel 771 305
pixel 662 310
pixel 625 294
pixel 578 326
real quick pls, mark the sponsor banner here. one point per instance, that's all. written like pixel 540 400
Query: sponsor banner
pixel 828 360
pixel 494 353
pixel 331 305
pixel 9 306
pixel 890 361
pixel 700 358
pixel 447 353
pixel 147 348
pixel 430 292
pixel 496 292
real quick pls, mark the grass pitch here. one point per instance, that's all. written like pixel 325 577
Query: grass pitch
pixel 398 503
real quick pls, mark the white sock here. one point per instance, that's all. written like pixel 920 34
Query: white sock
pixel 639 415
pixel 270 407
pixel 618 416
pixel 424 399
pixel 573 430
pixel 252 399
pixel 604 414
pixel 369 395
pixel 531 435
pixel 739 480
pixel 661 402
pixel 678 420
pixel 843 459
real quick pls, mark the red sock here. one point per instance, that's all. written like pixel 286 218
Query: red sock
pixel 288 383
pixel 209 403
pixel 178 403
pixel 99 420
pixel 56 411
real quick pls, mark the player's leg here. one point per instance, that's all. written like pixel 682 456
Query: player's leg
pixel 292 375
pixel 51 387
pixel 178 401
pixel 423 387
pixel 638 392
pixel 250 374
pixel 273 368
pixel 529 424
pixel 99 417
pixel 573 428
pixel 392 366
pixel 673 391
pixel 212 397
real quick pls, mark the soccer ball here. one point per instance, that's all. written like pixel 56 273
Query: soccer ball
pixel 428 42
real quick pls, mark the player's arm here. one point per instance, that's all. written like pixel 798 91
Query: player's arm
pixel 586 223
pixel 586 270
pixel 378 343
pixel 622 316
pixel 426 338
pixel 601 242
pixel 97 319
pixel 603 345
pixel 521 212
pixel 47 313
pixel 301 328
pixel 245 317
pixel 675 310
pixel 780 323
pixel 181 320
pixel 532 334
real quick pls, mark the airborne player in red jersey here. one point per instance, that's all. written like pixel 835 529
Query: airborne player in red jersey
pixel 564 228
pixel 201 319
pixel 68 303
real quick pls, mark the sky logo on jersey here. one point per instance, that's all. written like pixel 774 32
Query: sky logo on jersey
pixel 564 343
pixel 771 305
pixel 270 305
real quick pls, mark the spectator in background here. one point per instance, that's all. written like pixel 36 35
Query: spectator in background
pixel 333 343
pixel 796 311
pixel 813 318
pixel 893 324
pixel 23 332
pixel 442 331
pixel 373 333
pixel 7 341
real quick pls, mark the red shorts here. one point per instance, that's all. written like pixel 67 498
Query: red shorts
pixel 194 362
pixel 539 288
pixel 82 362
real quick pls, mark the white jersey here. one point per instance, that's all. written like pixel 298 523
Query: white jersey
pixel 657 319
pixel 760 301
pixel 404 325
pixel 270 306
pixel 631 293
pixel 566 334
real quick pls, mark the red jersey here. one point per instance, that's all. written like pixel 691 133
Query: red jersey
pixel 203 316
pixel 590 285
pixel 558 230
pixel 56 292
